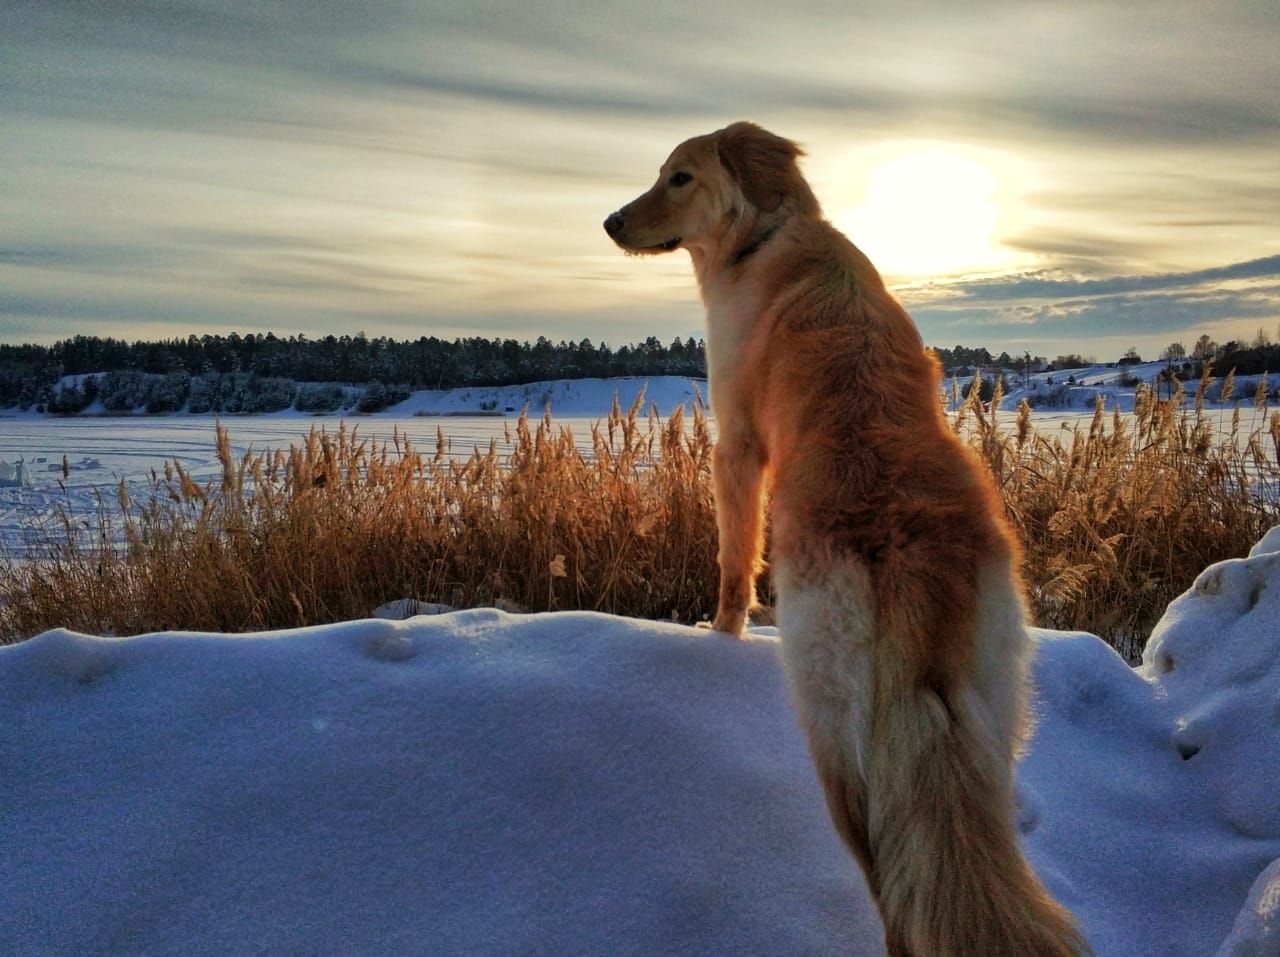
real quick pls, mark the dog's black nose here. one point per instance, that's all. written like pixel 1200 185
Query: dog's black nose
pixel 613 225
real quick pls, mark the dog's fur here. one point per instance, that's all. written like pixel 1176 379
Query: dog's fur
pixel 899 598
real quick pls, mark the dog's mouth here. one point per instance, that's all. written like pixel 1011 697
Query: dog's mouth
pixel 666 247
pixel 652 250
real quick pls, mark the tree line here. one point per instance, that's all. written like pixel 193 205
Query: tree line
pixel 29 372
pixel 264 372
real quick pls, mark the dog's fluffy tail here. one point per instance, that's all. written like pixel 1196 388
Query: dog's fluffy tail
pixel 944 856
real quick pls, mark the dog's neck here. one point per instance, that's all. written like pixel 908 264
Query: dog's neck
pixel 741 240
pixel 753 243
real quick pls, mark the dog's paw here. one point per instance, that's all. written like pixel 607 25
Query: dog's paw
pixel 711 626
pixel 730 624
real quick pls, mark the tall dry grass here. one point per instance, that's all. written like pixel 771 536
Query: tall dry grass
pixel 332 528
pixel 1116 520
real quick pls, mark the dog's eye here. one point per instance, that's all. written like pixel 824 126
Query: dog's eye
pixel 679 179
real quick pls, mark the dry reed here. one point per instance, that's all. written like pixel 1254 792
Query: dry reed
pixel 1118 519
pixel 332 528
pixel 1114 521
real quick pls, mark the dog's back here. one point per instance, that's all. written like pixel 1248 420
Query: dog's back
pixel 901 613
pixel 899 601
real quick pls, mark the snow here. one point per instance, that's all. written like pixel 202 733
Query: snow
pixel 475 783
pixel 565 396
pixel 1269 542
pixel 1214 655
pixel 1078 389
pixel 483 783
pixel 1257 930
pixel 593 397
pixel 15 475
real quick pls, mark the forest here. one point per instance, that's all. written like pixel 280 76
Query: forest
pixel 265 372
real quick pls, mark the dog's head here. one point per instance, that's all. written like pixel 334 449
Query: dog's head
pixel 706 185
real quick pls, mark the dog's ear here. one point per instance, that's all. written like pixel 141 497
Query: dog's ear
pixel 763 165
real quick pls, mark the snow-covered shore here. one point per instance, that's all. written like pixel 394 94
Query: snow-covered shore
pixel 1079 389
pixel 478 783
pixel 1061 390
pixel 566 397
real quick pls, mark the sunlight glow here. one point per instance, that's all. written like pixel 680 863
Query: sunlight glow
pixel 930 211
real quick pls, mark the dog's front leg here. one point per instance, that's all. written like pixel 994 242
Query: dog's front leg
pixel 738 470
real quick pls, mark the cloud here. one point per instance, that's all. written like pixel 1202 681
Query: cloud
pixel 994 289
pixel 88 257
pixel 1074 314
pixel 949 67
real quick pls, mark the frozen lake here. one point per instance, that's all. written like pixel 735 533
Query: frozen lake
pixel 101 451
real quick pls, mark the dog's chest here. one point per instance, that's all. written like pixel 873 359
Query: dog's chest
pixel 731 323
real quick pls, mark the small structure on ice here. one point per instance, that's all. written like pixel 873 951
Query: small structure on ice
pixel 14 476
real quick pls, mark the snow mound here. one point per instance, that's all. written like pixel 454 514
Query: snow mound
pixel 468 784
pixel 1257 929
pixel 1214 655
pixel 1160 784
pixel 1270 542
pixel 479 783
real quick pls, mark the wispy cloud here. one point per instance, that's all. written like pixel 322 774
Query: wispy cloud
pixel 1041 286
pixel 1071 314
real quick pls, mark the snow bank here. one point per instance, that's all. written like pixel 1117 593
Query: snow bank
pixel 1078 389
pixel 1159 784
pixel 467 784
pixel 565 396
pixel 1257 930
pixel 478 783
pixel 1216 657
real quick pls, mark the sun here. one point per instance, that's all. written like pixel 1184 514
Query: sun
pixel 930 211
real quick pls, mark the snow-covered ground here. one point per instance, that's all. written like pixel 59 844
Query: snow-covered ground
pixel 567 397
pixel 1077 389
pixel 577 784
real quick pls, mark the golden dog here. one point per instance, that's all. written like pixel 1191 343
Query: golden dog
pixel 899 598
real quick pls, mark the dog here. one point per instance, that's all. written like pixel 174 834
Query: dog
pixel 899 599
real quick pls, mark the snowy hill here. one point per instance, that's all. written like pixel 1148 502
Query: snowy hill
pixel 565 396
pixel 484 784
pixel 1078 389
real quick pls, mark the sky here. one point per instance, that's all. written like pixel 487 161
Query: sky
pixel 1046 177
